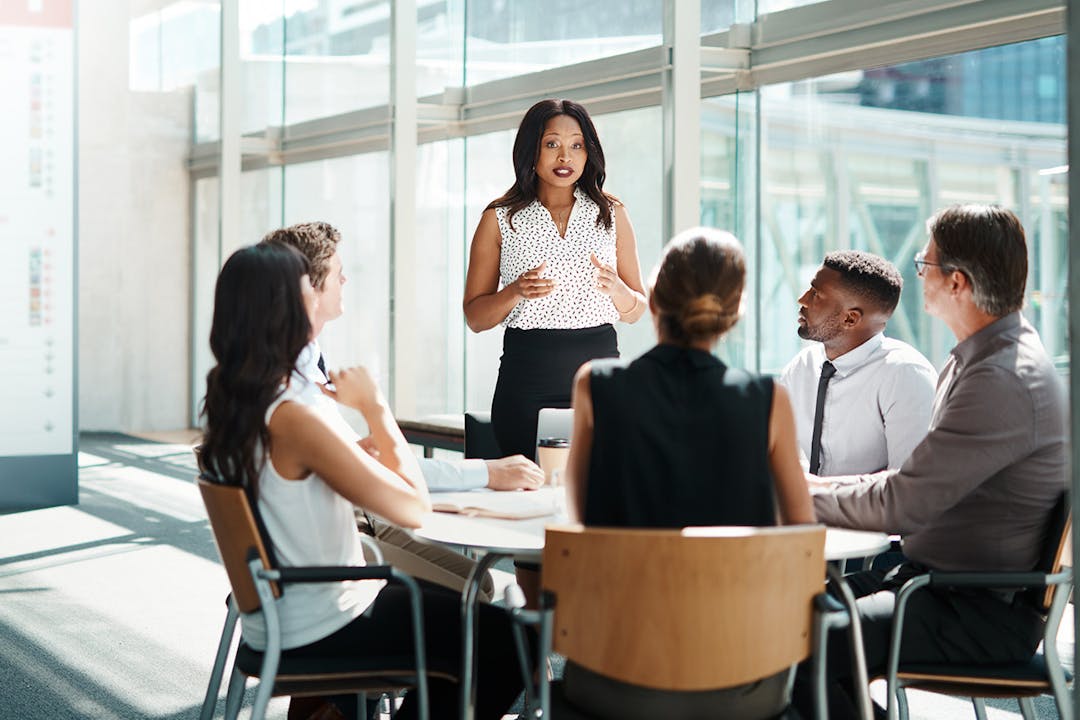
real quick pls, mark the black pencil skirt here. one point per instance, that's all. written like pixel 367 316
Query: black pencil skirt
pixel 537 371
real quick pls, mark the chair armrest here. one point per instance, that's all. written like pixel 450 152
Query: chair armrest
pixel 324 573
pixel 979 580
pixel 995 580
pixel 335 573
pixel 370 545
pixel 332 573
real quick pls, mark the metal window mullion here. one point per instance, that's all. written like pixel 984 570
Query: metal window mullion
pixel 229 151
pixel 227 168
pixel 681 108
pixel 1073 114
pixel 403 125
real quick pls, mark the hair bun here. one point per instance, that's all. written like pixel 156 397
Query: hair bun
pixel 705 316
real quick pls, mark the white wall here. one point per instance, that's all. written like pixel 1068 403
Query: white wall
pixel 133 218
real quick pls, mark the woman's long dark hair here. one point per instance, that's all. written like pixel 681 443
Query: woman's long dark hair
pixel 260 326
pixel 527 149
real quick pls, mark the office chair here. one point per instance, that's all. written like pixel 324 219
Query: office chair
pixel 480 439
pixel 680 624
pixel 256 584
pixel 1047 589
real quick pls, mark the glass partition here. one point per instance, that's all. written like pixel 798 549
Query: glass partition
pixel 856 159
pixel 504 39
pixel 441 251
pixel 861 160
pixel 349 193
pixel 727 203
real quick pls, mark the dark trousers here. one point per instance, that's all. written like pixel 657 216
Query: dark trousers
pixel 537 371
pixel 385 630
pixel 940 626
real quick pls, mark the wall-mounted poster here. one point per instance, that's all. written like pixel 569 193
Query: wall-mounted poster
pixel 38 437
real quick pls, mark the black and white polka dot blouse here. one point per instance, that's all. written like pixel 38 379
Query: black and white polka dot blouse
pixel 575 302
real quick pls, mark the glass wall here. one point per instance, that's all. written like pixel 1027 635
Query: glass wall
pixel 489 172
pixel 862 159
pixel 441 248
pixel 349 193
pixel 727 166
pixel 852 159
pixel 505 38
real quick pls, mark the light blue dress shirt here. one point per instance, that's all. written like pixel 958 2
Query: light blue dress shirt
pixel 440 475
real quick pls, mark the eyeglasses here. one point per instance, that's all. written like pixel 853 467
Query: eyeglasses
pixel 921 263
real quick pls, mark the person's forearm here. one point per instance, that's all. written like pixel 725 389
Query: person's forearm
pixel 393 450
pixel 486 311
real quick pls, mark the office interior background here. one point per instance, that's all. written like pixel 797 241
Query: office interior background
pixel 801 127
pixel 199 125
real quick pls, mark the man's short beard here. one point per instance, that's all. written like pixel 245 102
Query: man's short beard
pixel 821 333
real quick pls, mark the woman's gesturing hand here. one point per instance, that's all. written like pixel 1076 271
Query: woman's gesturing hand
pixel 530 285
pixel 609 283
pixel 354 387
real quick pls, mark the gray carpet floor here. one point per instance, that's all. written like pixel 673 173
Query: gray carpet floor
pixel 113 608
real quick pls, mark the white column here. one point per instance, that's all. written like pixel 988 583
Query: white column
pixel 682 116
pixel 403 305
pixel 229 99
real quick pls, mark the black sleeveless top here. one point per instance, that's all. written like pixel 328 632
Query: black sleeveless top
pixel 679 439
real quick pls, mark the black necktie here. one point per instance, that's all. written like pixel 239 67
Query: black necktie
pixel 827 371
pixel 322 366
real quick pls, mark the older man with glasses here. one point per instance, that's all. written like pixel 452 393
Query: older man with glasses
pixel 977 492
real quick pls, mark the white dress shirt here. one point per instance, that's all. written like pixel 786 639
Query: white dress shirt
pixel 877 407
pixel 440 475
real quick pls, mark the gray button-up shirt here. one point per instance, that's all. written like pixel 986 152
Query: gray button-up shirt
pixel 977 491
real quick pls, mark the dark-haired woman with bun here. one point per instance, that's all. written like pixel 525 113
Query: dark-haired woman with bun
pixel 555 261
pixel 676 438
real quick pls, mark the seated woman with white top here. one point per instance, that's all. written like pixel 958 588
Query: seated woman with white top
pixel 264 432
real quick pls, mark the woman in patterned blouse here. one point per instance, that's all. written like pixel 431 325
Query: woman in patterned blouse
pixel 555 261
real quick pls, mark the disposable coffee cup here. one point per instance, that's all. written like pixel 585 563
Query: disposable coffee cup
pixel 551 454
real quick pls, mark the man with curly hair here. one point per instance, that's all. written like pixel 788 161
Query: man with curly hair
pixel 862 400
pixel 318 242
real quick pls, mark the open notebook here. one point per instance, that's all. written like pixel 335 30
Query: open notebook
pixel 518 505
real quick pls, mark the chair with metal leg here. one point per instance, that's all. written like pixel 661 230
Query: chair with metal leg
pixel 1047 589
pixel 257 584
pixel 702 622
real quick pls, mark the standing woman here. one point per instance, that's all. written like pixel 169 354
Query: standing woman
pixel 555 261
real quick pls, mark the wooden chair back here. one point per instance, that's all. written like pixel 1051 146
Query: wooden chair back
pixel 691 609
pixel 1057 551
pixel 236 533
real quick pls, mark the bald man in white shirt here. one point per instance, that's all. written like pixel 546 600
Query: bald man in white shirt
pixel 875 403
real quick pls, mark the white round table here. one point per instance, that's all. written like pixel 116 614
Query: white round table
pixel 494 539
